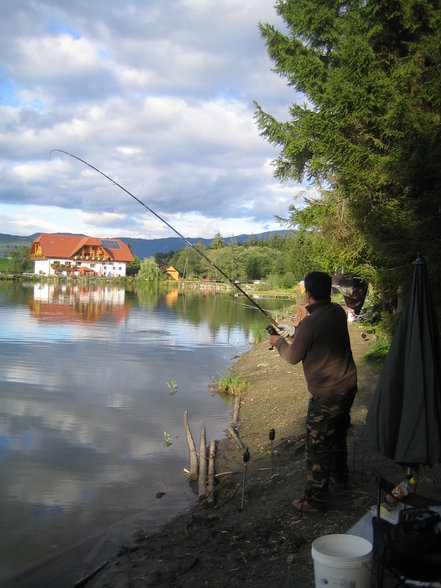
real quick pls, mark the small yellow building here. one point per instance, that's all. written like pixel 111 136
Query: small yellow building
pixel 173 273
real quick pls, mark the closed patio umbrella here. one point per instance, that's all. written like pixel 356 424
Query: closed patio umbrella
pixel 404 418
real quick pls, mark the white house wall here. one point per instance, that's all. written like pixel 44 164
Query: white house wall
pixel 42 266
pixel 113 269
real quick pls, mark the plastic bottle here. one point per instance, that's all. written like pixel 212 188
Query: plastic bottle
pixel 401 490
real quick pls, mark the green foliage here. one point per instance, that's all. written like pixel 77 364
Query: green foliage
pixel 218 242
pixel 299 258
pixel 173 387
pixel 368 135
pixel 376 354
pixel 133 267
pixel 288 281
pixel 167 439
pixel 164 259
pixel 189 262
pixel 259 333
pixel 8 242
pixel 227 259
pixel 19 260
pixel 233 385
pixel 275 256
pixel 150 271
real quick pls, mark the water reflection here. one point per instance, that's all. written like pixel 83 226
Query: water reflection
pixel 72 303
pixel 85 402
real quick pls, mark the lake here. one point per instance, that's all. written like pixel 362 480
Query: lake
pixel 94 385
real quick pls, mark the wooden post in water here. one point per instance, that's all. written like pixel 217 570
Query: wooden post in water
pixel 192 448
pixel 236 410
pixel 211 472
pixel 202 485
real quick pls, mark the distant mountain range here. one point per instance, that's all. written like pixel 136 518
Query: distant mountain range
pixel 140 247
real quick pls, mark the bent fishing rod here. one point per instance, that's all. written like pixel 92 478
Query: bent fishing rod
pixel 271 328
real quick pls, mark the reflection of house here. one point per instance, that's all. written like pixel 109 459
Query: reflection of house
pixel 171 298
pixel 55 254
pixel 173 273
pixel 74 304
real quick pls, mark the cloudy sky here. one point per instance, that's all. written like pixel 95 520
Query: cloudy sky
pixel 158 94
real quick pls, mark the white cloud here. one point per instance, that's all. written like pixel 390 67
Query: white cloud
pixel 42 59
pixel 157 95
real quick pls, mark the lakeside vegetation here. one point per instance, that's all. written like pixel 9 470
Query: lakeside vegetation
pixel 232 385
pixel 145 288
pixel 279 261
pixel 273 266
pixel 366 137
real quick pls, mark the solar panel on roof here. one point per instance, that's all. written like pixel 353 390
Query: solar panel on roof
pixel 110 244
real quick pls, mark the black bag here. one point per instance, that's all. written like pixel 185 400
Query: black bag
pixel 414 544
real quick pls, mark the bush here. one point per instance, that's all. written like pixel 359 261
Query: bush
pixel 288 280
pixel 232 385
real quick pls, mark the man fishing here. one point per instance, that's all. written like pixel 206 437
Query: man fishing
pixel 321 342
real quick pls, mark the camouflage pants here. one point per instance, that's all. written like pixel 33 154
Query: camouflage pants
pixel 327 423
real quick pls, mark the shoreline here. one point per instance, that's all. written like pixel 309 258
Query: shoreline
pixel 252 535
pixel 225 540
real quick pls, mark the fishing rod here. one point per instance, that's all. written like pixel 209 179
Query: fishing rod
pixel 270 328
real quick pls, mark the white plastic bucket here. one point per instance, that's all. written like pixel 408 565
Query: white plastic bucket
pixel 341 561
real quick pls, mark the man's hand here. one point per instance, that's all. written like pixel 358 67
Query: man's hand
pixel 273 340
pixel 286 330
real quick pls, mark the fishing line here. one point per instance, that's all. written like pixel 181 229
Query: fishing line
pixel 201 253
pixel 245 305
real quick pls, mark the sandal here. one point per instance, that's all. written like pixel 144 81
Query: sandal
pixel 302 505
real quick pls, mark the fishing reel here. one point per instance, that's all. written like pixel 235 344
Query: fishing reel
pixel 271 331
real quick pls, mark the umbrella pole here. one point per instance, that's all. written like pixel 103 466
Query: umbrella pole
pixel 411 477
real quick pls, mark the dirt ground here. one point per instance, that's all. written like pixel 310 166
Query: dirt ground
pixel 252 536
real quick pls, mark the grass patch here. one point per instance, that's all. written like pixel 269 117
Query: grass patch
pixel 232 385
pixel 259 333
pixel 376 354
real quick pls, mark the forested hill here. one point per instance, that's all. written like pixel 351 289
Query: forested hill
pixel 8 242
pixel 149 247
pixel 141 247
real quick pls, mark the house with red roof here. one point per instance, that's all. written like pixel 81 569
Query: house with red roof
pixel 79 255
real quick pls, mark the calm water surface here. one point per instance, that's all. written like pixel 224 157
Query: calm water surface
pixel 91 381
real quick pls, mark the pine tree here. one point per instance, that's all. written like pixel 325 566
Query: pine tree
pixel 368 133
